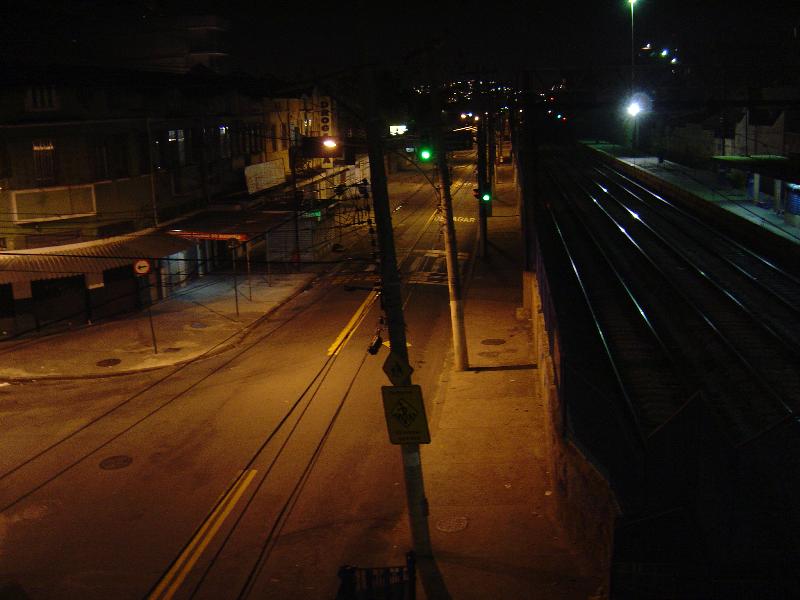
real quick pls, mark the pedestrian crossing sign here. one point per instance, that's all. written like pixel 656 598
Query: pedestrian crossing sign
pixel 405 414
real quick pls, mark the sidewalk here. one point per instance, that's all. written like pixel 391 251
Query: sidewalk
pixel 707 185
pixel 492 500
pixel 199 319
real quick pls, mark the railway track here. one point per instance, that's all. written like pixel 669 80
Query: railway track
pixel 681 308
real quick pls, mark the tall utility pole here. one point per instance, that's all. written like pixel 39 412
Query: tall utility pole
pixel 490 124
pixel 483 245
pixel 393 308
pixel 450 244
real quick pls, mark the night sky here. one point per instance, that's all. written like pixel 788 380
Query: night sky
pixel 298 39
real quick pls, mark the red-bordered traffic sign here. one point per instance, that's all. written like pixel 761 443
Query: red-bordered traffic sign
pixel 141 266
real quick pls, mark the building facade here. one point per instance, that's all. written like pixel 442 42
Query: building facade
pixel 95 164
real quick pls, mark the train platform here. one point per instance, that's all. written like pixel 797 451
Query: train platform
pixel 713 187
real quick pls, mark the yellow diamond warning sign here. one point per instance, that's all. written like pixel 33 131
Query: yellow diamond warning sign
pixel 405 414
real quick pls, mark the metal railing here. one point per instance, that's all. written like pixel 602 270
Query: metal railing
pixel 379 583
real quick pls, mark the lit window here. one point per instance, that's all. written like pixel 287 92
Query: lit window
pixel 44 168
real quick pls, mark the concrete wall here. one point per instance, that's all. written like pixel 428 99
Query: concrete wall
pixel 585 506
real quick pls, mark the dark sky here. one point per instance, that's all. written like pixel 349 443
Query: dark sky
pixel 302 37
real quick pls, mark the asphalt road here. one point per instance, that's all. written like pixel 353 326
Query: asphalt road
pixel 258 471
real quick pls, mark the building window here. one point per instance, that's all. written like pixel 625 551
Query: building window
pixel 273 136
pixel 41 97
pixel 101 160
pixel 177 143
pixel 224 141
pixel 237 142
pixel 44 166
pixel 260 137
pixel 284 137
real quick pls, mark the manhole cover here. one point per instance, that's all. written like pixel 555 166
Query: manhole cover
pixel 116 462
pixel 108 362
pixel 493 342
pixel 452 524
pixel 172 349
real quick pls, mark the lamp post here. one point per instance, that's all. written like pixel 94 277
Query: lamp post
pixel 633 53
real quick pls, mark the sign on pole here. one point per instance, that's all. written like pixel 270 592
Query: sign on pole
pixel 396 369
pixel 405 414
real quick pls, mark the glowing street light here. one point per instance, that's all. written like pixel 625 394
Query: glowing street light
pixel 634 108
pixel 329 143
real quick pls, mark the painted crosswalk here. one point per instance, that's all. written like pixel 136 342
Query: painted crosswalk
pixel 425 267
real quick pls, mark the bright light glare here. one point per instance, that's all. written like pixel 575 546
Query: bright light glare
pixel 329 143
pixel 664 52
pixel 463 115
pixel 477 118
pixel 634 108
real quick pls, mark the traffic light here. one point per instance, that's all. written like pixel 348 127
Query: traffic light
pixel 483 197
pixel 425 153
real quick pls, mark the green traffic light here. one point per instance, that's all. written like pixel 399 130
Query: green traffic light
pixel 486 197
pixel 425 154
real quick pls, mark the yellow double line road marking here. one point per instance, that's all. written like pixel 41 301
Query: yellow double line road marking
pixel 352 324
pixel 169 585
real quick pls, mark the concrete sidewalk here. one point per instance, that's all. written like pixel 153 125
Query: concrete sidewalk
pixel 199 319
pixel 493 522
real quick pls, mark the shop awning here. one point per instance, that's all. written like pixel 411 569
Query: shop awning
pixel 86 257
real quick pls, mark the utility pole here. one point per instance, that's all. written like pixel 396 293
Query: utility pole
pixel 450 244
pixel 483 245
pixel 393 308
pixel 296 201
pixel 153 194
pixel 490 124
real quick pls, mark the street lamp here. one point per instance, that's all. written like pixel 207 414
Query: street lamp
pixel 632 2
